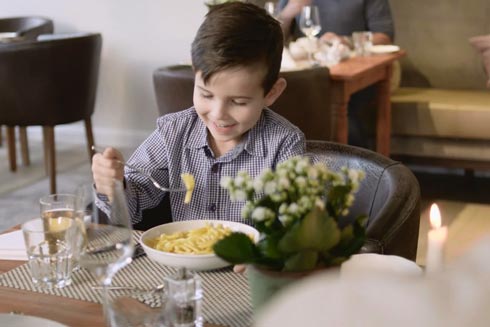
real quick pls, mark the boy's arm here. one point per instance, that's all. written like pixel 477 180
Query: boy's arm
pixel 293 145
pixel 141 194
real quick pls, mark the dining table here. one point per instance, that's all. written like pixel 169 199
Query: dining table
pixel 355 74
pixel 228 295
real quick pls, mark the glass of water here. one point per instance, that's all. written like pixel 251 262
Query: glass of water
pixel 50 245
pixel 309 23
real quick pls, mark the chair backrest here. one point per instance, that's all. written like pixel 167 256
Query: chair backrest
pixel 389 195
pixel 49 82
pixel 27 27
pixel 306 102
pixel 174 88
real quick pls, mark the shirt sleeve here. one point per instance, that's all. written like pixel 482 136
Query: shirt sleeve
pixel 150 156
pixel 293 145
pixel 378 17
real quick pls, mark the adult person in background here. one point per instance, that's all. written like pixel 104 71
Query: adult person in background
pixel 482 44
pixel 339 18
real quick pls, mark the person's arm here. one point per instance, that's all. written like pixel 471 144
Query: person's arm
pixel 482 44
pixel 380 21
pixel 289 12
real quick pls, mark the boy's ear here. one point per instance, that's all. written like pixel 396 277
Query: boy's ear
pixel 276 90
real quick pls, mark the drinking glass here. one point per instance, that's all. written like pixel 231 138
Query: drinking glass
pixel 309 23
pixel 49 245
pixel 108 230
pixel 363 41
pixel 272 9
pixel 63 206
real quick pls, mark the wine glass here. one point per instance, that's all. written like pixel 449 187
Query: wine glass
pixel 309 23
pixel 109 244
pixel 272 8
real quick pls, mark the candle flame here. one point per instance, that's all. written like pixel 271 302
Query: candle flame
pixel 435 216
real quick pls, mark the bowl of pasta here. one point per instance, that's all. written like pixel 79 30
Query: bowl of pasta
pixel 190 243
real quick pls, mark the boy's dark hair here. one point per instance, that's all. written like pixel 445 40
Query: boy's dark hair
pixel 237 34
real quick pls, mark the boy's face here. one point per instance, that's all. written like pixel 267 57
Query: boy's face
pixel 230 104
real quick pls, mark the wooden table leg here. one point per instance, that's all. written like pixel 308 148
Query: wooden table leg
pixel 383 119
pixel 11 148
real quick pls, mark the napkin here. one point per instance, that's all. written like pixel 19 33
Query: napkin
pixel 287 62
pixel 12 246
pixel 377 264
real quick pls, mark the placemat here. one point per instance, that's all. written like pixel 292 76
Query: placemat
pixel 226 294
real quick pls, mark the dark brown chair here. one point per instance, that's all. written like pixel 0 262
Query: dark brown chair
pixel 25 29
pixel 389 195
pixel 306 102
pixel 47 83
pixel 174 87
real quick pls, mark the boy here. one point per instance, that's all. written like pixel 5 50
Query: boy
pixel 236 56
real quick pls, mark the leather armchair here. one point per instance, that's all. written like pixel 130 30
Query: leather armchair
pixel 174 88
pixel 47 83
pixel 25 28
pixel 306 102
pixel 389 195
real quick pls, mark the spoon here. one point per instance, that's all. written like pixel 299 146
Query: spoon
pixel 142 172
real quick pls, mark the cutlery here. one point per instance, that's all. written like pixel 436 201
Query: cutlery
pixel 155 289
pixel 142 172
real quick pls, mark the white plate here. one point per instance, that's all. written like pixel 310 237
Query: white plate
pixel 14 320
pixel 377 49
pixel 8 35
pixel 190 261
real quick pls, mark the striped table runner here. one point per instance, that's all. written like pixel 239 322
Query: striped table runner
pixel 226 294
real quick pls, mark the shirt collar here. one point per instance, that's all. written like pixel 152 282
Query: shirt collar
pixel 254 140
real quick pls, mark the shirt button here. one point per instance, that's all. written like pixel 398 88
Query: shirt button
pixel 212 207
pixel 215 168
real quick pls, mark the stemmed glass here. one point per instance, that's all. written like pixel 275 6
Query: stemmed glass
pixel 272 9
pixel 109 244
pixel 309 23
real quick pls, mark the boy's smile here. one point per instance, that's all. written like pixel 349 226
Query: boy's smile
pixel 230 104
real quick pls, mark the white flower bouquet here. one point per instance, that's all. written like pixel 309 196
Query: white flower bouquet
pixel 300 210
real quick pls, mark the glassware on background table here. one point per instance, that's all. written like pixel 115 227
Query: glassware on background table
pixel 64 206
pixel 49 244
pixel 309 23
pixel 362 41
pixel 272 8
pixel 109 232
pixel 183 299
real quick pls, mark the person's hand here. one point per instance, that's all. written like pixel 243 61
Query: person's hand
pixel 482 44
pixel 240 269
pixel 330 36
pixel 293 8
pixel 107 167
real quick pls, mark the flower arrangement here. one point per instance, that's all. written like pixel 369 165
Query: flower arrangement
pixel 300 211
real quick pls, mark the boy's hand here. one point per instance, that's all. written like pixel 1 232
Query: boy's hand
pixel 107 167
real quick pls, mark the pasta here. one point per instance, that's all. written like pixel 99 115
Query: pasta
pixel 195 241
pixel 189 183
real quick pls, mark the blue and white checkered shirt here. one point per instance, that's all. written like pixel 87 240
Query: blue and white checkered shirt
pixel 179 145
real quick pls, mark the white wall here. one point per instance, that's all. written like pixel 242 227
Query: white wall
pixel 138 37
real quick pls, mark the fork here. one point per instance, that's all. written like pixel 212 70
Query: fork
pixel 144 173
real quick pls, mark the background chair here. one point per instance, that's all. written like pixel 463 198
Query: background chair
pixel 25 28
pixel 47 83
pixel 389 195
pixel 174 88
pixel 306 102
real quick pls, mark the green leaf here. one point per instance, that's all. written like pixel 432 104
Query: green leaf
pixel 269 246
pixel 237 248
pixel 316 231
pixel 305 260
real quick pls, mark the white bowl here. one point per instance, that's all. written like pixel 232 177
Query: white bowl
pixel 190 261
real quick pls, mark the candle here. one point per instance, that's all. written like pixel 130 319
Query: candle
pixel 436 239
